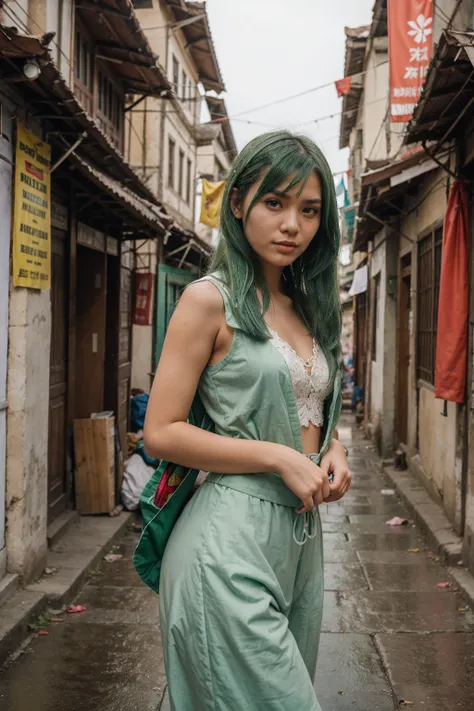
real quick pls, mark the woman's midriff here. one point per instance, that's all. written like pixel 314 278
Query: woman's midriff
pixel 310 437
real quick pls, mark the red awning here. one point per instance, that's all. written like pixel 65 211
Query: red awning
pixel 451 344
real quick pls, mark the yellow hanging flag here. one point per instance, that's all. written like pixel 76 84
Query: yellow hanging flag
pixel 211 202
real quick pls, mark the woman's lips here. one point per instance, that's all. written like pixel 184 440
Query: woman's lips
pixel 285 247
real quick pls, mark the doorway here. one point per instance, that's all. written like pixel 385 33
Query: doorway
pixel 91 295
pixel 403 348
pixel 57 444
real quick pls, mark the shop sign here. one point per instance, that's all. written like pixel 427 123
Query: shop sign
pixel 32 212
pixel 143 293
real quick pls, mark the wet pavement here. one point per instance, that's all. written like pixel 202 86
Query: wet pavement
pixel 389 635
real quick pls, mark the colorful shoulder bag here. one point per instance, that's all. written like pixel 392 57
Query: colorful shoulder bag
pixel 162 501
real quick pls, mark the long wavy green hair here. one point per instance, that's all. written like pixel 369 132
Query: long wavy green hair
pixel 311 281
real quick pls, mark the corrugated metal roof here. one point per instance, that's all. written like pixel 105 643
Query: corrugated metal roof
pixel 447 101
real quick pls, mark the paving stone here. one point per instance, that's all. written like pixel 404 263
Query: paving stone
pixel 391 558
pixel 387 541
pixel 372 612
pixel 328 519
pixel 344 577
pixel 87 666
pixel 423 576
pixel 431 670
pixel 362 686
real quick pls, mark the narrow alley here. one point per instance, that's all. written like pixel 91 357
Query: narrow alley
pixel 390 638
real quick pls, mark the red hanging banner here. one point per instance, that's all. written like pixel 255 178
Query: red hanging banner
pixel 453 310
pixel 410 36
pixel 143 292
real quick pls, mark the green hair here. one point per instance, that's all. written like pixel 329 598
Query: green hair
pixel 311 281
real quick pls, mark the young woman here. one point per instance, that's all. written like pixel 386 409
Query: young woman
pixel 259 340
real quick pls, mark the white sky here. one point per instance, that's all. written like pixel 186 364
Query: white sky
pixel 270 49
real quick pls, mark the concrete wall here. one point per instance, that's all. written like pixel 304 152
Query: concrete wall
pixel 432 438
pixel 374 109
pixel 27 435
pixel 383 365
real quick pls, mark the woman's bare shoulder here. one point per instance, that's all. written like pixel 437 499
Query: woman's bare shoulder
pixel 202 297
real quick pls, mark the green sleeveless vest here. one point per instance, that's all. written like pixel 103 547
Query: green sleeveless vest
pixel 249 395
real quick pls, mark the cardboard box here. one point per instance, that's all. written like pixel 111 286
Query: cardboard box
pixel 94 449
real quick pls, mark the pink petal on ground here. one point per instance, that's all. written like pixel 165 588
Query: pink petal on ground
pixel 76 608
pixel 443 585
pixel 112 557
pixel 397 521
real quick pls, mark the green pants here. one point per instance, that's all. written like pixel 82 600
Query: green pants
pixel 241 604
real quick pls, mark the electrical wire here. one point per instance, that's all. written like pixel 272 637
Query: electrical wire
pixel 302 93
pixel 18 19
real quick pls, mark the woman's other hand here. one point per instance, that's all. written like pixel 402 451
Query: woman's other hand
pixel 335 462
pixel 306 480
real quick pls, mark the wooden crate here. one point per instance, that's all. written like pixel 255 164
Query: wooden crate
pixel 94 450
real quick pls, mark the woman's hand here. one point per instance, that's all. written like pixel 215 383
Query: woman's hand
pixel 335 462
pixel 306 480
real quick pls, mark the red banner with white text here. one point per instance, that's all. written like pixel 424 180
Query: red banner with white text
pixel 410 36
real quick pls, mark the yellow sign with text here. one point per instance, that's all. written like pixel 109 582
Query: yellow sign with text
pixel 32 212
pixel 211 202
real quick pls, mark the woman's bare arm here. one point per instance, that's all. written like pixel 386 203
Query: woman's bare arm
pixel 188 346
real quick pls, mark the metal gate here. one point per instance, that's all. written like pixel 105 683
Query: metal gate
pixel 6 175
pixel 171 283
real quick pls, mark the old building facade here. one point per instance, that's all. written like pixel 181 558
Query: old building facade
pixel 400 188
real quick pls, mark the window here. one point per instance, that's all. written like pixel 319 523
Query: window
pixel 143 4
pixel 184 85
pixel 190 94
pixel 181 173
pixel 83 64
pixel 175 74
pixel 429 273
pixel 171 152
pixel 188 183
pixel 83 68
pixel 109 107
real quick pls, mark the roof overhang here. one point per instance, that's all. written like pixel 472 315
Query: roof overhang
pixel 447 101
pixel 199 42
pixel 65 121
pixel 379 26
pixel 185 249
pixel 218 110
pixel 356 42
pixel 15 45
pixel 383 193
pixel 113 203
pixel 120 41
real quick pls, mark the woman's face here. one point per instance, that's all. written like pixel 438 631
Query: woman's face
pixel 281 225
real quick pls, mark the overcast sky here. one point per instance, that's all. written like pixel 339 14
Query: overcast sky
pixel 270 49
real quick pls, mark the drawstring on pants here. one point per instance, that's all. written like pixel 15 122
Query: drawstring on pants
pixel 309 518
pixel 309 527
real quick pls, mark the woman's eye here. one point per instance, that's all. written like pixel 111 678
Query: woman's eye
pixel 311 211
pixel 272 203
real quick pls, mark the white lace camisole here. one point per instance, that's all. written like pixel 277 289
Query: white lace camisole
pixel 310 389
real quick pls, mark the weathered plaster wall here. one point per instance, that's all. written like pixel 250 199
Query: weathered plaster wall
pixel 27 434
